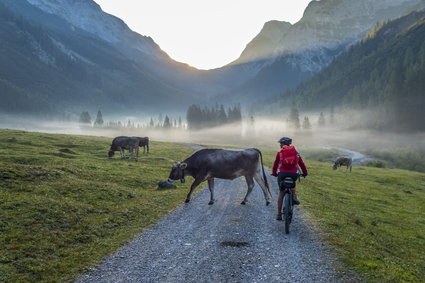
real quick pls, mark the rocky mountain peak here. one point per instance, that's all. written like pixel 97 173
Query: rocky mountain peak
pixel 264 44
pixel 92 19
pixel 330 23
pixel 325 24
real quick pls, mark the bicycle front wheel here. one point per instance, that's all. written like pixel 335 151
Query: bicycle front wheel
pixel 287 209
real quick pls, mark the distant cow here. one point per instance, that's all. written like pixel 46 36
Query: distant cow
pixel 343 161
pixel 121 143
pixel 145 143
pixel 207 164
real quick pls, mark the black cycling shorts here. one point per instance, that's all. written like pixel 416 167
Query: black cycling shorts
pixel 283 175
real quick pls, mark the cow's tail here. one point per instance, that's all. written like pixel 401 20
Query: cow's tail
pixel 264 173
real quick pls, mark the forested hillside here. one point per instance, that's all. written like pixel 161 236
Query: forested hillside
pixel 48 66
pixel 383 74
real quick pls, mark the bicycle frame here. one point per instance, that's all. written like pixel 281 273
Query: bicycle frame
pixel 288 184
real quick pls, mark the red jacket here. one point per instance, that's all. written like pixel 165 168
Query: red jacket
pixel 295 170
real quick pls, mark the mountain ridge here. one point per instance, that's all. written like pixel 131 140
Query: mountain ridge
pixel 327 28
pixel 71 67
pixel 80 57
pixel 382 75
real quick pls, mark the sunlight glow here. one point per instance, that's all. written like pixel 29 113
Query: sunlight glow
pixel 204 34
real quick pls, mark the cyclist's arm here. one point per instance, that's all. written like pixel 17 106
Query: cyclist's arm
pixel 302 166
pixel 276 164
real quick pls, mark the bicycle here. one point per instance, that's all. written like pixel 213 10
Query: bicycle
pixel 288 207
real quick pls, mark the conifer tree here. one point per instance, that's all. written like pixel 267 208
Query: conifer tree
pixel 294 117
pixel 167 123
pixel 85 118
pixel 99 119
pixel 306 124
pixel 222 117
pixel 321 121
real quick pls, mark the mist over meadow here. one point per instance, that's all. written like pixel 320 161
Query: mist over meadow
pixel 322 81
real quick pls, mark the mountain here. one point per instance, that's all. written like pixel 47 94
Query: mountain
pixel 88 16
pixel 383 75
pixel 263 46
pixel 91 19
pixel 288 54
pixel 70 61
pixel 68 56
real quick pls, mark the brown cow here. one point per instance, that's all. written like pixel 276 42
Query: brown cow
pixel 145 143
pixel 207 164
pixel 121 143
pixel 343 161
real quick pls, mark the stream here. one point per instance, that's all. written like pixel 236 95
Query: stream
pixel 358 157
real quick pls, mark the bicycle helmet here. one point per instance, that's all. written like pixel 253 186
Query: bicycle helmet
pixel 285 141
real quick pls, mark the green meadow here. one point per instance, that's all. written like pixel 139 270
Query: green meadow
pixel 374 217
pixel 64 206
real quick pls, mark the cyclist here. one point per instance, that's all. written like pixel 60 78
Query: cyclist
pixel 287 162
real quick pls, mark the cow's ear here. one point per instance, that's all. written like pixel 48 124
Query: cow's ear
pixel 183 165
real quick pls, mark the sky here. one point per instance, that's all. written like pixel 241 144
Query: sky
pixel 205 34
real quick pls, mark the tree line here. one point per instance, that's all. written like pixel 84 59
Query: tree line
pixel 204 117
pixel 384 74
pixel 294 120
pixel 85 120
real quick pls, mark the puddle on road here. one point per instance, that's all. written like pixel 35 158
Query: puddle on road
pixel 234 244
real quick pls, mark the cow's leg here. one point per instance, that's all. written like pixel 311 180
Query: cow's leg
pixel 262 185
pixel 192 188
pixel 122 152
pixel 131 152
pixel 250 183
pixel 147 148
pixel 211 187
pixel 137 153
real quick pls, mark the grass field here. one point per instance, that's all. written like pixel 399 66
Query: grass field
pixel 374 217
pixel 64 204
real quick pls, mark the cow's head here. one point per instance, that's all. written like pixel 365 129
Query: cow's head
pixel 335 166
pixel 111 153
pixel 177 172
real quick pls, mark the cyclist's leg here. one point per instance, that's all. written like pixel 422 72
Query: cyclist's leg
pixel 280 201
pixel 294 191
pixel 280 197
pixel 281 176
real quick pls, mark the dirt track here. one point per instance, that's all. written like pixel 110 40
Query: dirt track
pixel 224 242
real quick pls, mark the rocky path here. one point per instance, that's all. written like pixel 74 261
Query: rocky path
pixel 224 242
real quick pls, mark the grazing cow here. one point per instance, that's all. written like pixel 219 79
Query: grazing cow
pixel 145 143
pixel 121 143
pixel 343 161
pixel 207 164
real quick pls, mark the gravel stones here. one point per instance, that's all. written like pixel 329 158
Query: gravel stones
pixel 187 245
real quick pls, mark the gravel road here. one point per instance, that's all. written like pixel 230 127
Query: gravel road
pixel 224 242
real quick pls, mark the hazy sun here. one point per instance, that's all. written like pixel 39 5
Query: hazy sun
pixel 204 34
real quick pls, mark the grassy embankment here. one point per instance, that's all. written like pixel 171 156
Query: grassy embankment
pixel 64 205
pixel 375 217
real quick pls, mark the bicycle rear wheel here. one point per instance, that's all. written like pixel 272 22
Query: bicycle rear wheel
pixel 287 211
